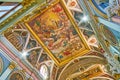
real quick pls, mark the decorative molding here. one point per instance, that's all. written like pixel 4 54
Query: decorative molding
pixel 12 66
pixel 82 62
pixel 26 5
pixel 18 74
pixel 1 65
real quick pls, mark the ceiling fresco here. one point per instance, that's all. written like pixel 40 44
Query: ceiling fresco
pixel 60 40
pixel 52 28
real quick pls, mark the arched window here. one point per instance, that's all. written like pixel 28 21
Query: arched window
pixel 44 72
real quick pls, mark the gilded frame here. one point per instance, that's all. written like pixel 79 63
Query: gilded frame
pixel 97 70
pixel 48 12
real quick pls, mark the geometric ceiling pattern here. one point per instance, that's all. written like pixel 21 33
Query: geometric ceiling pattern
pixel 60 40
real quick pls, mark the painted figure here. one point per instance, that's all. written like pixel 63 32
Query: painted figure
pixel 56 31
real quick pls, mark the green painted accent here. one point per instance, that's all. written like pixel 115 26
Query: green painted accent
pixel 38 23
pixel 41 1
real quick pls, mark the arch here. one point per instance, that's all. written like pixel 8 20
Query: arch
pixel 97 8
pixel 101 78
pixel 17 75
pixel 44 71
pixel 85 61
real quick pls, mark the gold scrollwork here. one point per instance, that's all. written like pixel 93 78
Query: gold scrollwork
pixel 26 2
pixel 117 76
pixel 12 65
